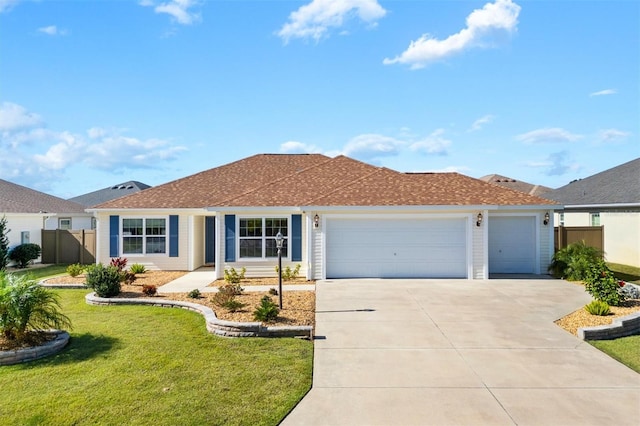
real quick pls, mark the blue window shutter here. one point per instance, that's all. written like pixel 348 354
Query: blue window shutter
pixel 173 235
pixel 114 236
pixel 230 238
pixel 210 239
pixel 296 238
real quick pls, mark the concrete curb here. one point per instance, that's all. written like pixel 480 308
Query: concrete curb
pixel 620 327
pixel 214 324
pixel 52 347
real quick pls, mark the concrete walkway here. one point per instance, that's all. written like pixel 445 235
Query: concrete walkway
pixel 202 277
pixel 458 352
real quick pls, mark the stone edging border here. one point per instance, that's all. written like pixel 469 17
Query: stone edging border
pixel 620 327
pixel 214 324
pixel 52 347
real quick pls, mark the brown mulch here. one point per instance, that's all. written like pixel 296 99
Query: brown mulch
pixel 32 338
pixel 298 306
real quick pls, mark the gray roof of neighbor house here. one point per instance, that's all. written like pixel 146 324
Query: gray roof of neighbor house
pixel 16 198
pixel 507 182
pixel 618 185
pixel 270 180
pixel 110 193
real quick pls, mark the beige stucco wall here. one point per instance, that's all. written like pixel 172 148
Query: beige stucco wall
pixel 621 237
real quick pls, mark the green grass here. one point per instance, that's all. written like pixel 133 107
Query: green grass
pixel 625 349
pixel 38 273
pixel 140 365
pixel 625 272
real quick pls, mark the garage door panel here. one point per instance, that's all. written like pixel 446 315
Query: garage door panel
pixel 512 245
pixel 396 248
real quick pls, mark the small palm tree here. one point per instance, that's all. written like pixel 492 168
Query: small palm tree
pixel 26 306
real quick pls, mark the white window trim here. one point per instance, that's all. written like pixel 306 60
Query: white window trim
pixel 60 219
pixel 264 238
pixel 144 237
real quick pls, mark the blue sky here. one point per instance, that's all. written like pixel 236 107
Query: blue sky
pixel 94 93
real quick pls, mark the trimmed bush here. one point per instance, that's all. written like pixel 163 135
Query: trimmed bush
pixel 24 253
pixel 75 269
pixel 104 280
pixel 602 284
pixel 289 274
pixel 598 307
pixel 267 311
pixel 573 261
pixel 137 268
pixel 194 294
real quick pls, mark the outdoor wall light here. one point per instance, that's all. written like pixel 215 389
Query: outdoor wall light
pixel 316 221
pixel 479 219
pixel 546 218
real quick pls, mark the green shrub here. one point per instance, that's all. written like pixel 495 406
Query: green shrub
pixel 194 294
pixel 149 289
pixel 234 305
pixel 598 307
pixel 232 276
pixel 226 294
pixel 4 243
pixel 289 274
pixel 26 306
pixel 573 261
pixel 24 253
pixel 75 269
pixel 104 280
pixel 602 284
pixel 137 268
pixel 267 311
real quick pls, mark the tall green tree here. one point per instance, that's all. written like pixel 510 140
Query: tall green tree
pixel 4 243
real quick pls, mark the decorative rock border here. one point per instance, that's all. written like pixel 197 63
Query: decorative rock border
pixel 214 324
pixel 52 347
pixel 621 327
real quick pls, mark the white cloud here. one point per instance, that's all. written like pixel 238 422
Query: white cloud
pixel 604 92
pixel 36 155
pixel 556 164
pixel 52 30
pixel 435 143
pixel 372 145
pixel 314 20
pixel 294 147
pixel 481 23
pixel 13 117
pixel 611 135
pixel 180 10
pixel 548 135
pixel 480 122
pixel 6 5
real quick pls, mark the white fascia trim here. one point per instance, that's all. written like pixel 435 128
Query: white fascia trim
pixel 528 207
pixel 595 206
pixel 158 211
pixel 327 209
pixel 255 209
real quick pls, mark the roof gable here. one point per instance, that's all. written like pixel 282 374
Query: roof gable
pixel 109 193
pixel 618 185
pixel 507 182
pixel 16 198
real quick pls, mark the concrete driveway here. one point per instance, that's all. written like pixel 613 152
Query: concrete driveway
pixel 458 352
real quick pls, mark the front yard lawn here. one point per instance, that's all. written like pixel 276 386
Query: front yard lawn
pixel 39 272
pixel 625 272
pixel 140 365
pixel 626 350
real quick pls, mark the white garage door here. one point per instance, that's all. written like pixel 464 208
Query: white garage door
pixel 512 245
pixel 401 248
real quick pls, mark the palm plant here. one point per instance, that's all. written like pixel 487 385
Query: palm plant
pixel 573 262
pixel 26 306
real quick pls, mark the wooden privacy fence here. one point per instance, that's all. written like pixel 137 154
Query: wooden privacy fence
pixel 593 236
pixel 67 247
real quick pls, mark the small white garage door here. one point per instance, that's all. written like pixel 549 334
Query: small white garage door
pixel 400 248
pixel 512 245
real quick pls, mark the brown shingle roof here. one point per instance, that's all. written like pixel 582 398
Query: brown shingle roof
pixel 16 198
pixel 316 180
pixel 507 182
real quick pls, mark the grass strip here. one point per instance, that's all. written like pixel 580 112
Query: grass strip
pixel 625 350
pixel 140 365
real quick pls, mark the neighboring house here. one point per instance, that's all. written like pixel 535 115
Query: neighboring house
pixel 611 199
pixel 340 218
pixel 110 193
pixel 28 212
pixel 525 187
